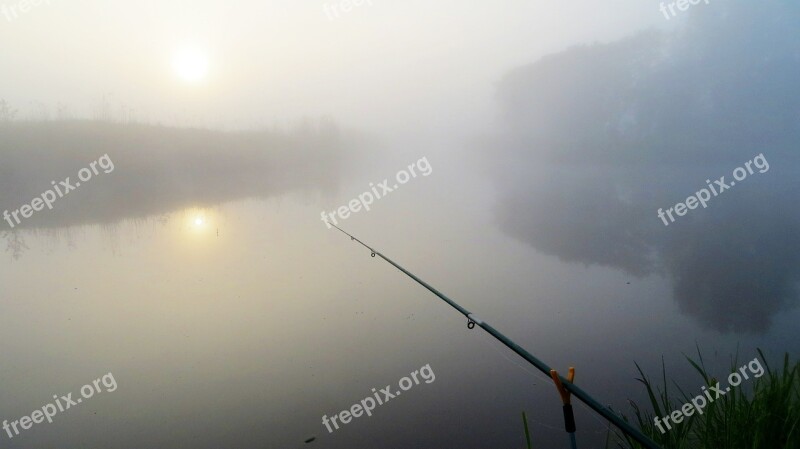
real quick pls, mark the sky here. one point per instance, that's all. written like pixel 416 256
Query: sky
pixel 384 67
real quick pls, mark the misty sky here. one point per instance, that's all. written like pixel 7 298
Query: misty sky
pixel 394 65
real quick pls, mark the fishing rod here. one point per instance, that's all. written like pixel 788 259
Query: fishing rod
pixel 472 320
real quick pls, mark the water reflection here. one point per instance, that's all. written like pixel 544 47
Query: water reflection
pixel 599 138
pixel 157 170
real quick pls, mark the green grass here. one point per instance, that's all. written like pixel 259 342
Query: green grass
pixel 761 413
pixel 527 433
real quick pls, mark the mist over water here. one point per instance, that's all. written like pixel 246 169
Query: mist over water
pixel 641 124
pixel 200 273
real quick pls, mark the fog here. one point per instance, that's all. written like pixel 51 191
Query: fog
pixel 161 168
pixel 414 66
pixel 607 134
pixel 193 261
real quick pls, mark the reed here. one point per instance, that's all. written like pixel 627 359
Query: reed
pixel 766 416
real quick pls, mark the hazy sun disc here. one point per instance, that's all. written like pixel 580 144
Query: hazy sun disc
pixel 190 64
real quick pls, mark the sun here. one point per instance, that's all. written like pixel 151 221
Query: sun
pixel 197 220
pixel 190 64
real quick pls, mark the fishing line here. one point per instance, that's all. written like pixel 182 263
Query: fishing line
pixel 604 424
pixel 492 344
pixel 546 380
